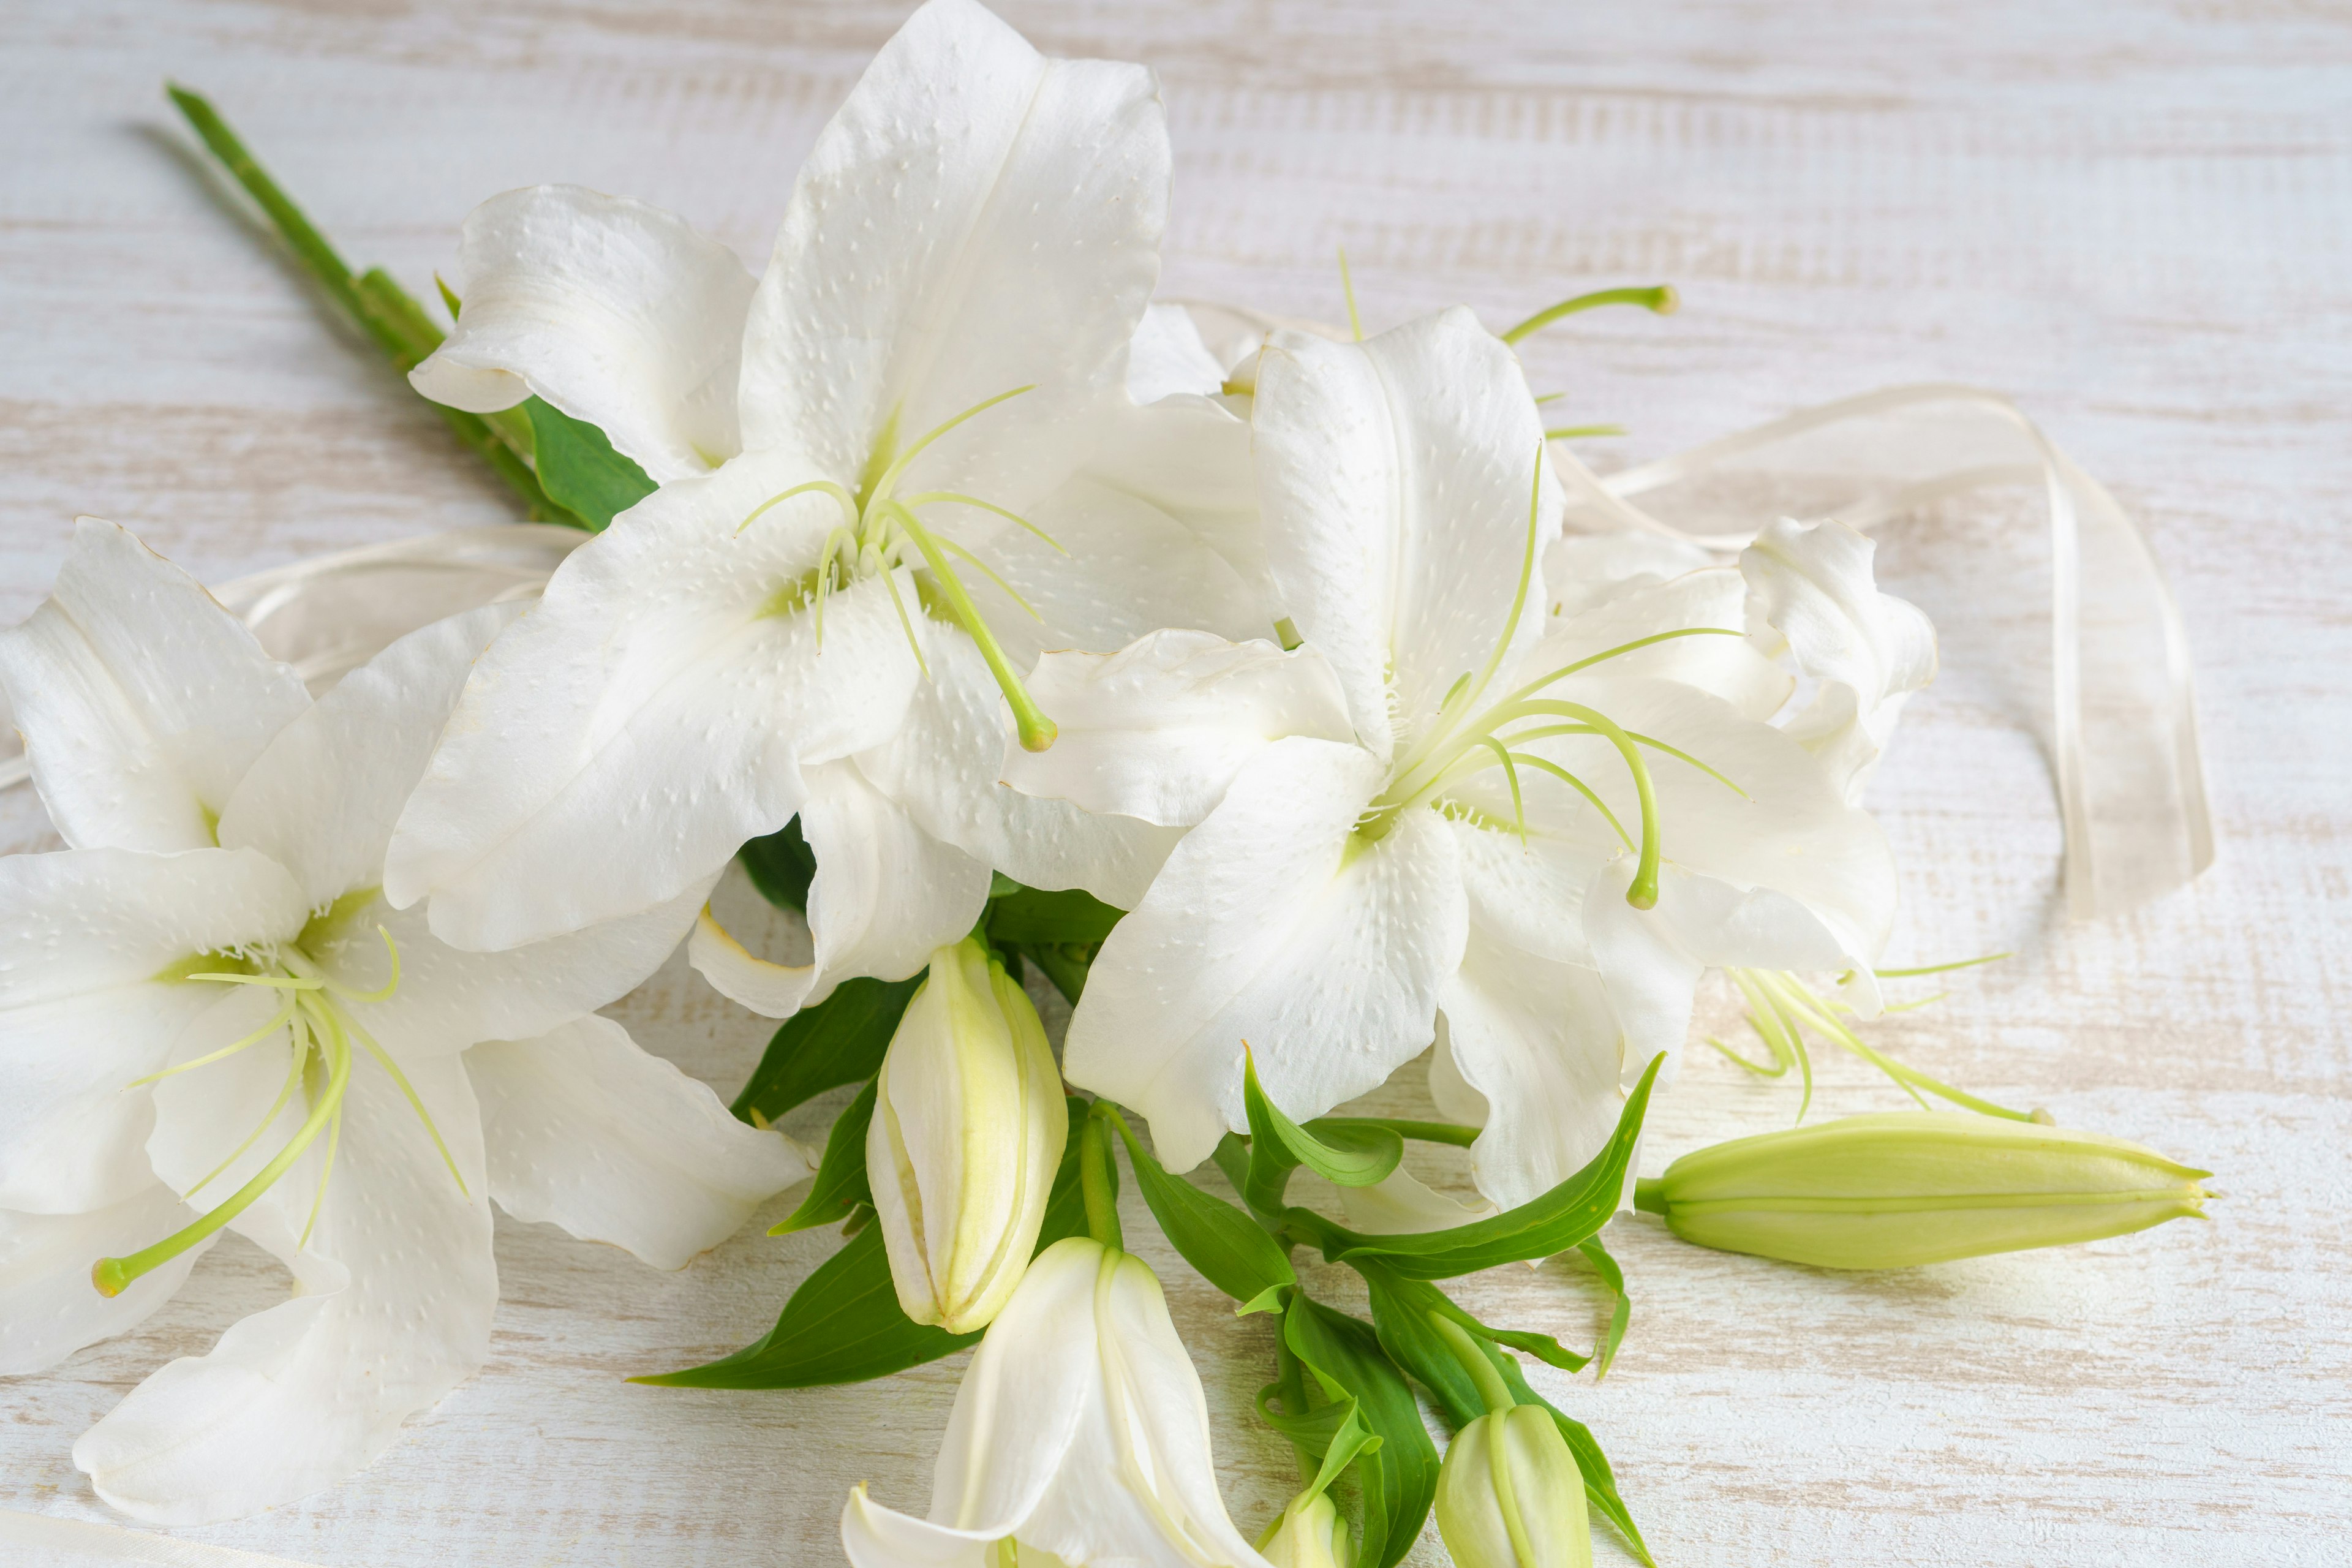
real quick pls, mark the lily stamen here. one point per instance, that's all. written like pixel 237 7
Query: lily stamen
pixel 318 1030
pixel 1660 299
pixel 880 523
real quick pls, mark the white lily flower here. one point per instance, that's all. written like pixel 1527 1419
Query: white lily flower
pixel 206 1002
pixel 1448 813
pixel 1079 1436
pixel 936 367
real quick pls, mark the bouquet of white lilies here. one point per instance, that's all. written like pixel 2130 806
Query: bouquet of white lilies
pixel 1290 700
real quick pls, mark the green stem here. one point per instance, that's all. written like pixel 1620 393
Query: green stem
pixel 1650 1195
pixel 376 304
pixel 1095 1184
pixel 1492 1390
pixel 1421 1131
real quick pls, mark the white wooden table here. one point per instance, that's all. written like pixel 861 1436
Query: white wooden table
pixel 2135 219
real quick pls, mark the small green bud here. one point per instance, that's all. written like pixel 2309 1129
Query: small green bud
pixel 1309 1533
pixel 1892 1191
pixel 969 1126
pixel 1509 1494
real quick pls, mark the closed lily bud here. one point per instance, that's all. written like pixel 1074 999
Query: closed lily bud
pixel 968 1129
pixel 1891 1191
pixel 1308 1535
pixel 1509 1494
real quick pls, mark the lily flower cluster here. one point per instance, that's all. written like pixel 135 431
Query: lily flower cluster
pixel 1258 700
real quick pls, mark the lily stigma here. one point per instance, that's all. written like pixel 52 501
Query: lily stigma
pixel 872 542
pixel 323 1034
pixel 1463 740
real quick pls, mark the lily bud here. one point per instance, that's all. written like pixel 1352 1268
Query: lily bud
pixel 968 1129
pixel 1308 1535
pixel 1891 1191
pixel 1509 1494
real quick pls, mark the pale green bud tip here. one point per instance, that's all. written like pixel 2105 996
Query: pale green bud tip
pixel 1509 1494
pixel 1309 1533
pixel 1893 1191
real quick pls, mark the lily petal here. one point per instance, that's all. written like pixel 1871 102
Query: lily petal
pixel 616 312
pixel 584 1129
pixel 1394 477
pixel 141 701
pixel 47 1309
pixel 1274 923
pixel 1527 893
pixel 1168 357
pixel 87 1003
pixel 1539 1043
pixel 1730 667
pixel 974 218
pixel 943 769
pixel 742 977
pixel 649 715
pixel 1812 584
pixel 1158 730
pixel 1585 570
pixel 886 894
pixel 397 1291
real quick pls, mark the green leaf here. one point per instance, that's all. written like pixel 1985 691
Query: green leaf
pixel 1621 1313
pixel 1408 1302
pixel 781 866
pixel 1334 1434
pixel 580 470
pixel 1556 1222
pixel 1401 1310
pixel 843 1325
pixel 1354 1154
pixel 1031 915
pixel 841 1184
pixel 840 1040
pixel 1065 1205
pixel 1065 964
pixel 1399 1478
pixel 1231 1250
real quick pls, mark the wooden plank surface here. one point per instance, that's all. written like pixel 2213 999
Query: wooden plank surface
pixel 2132 216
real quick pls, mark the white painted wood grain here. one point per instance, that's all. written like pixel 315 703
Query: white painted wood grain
pixel 2133 216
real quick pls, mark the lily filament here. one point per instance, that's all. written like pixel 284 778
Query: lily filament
pixel 878 527
pixel 322 1035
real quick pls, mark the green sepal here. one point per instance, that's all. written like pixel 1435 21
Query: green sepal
pixel 580 470
pixel 1231 1250
pixel 844 1324
pixel 1558 1221
pixel 1620 1312
pixel 1400 1309
pixel 841 1183
pixel 781 866
pixel 1034 915
pixel 1352 1155
pixel 1398 1480
pixel 840 1040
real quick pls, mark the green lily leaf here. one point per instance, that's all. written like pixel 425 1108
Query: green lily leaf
pixel 844 1324
pixel 1621 1313
pixel 1399 1478
pixel 781 866
pixel 1400 1311
pixel 1557 1222
pixel 580 470
pixel 1350 1153
pixel 1410 1301
pixel 1231 1250
pixel 840 1040
pixel 841 1184
pixel 1032 915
